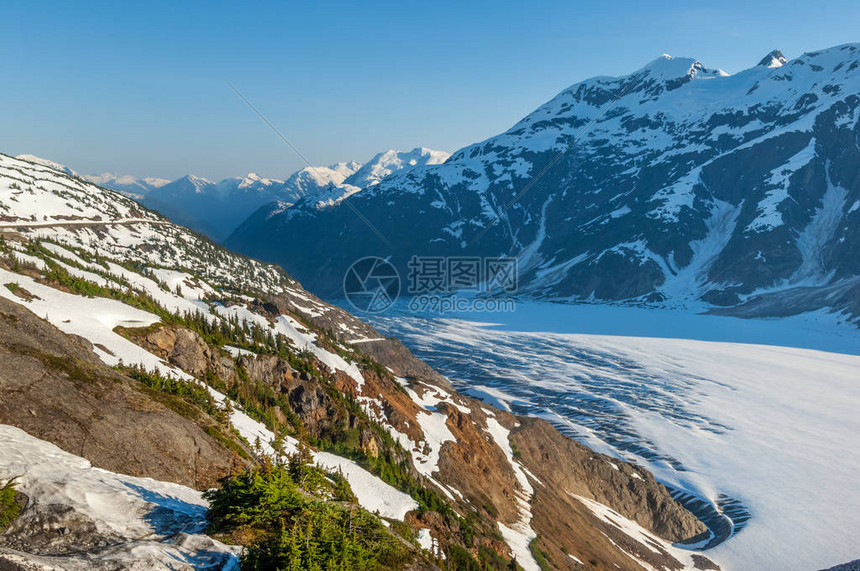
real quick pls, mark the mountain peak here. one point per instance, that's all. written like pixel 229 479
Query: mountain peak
pixel 773 59
pixel 251 181
pixel 346 168
pixel 674 69
pixel 390 161
pixel 671 67
pixel 195 184
pixel 198 180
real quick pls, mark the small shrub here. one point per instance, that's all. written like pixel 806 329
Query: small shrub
pixel 9 508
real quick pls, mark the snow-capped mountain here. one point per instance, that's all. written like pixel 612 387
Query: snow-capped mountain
pixel 216 209
pixel 314 188
pixel 212 208
pixel 378 168
pixel 311 180
pixel 111 314
pixel 678 183
pixel 209 207
pixel 773 59
pixel 132 187
pixel 389 162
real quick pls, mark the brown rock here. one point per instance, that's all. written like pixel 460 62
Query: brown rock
pixel 57 390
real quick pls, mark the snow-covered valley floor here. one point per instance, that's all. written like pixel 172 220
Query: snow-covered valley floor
pixel 767 433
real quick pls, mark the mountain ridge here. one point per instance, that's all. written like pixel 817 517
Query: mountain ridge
pixel 676 184
pixel 216 208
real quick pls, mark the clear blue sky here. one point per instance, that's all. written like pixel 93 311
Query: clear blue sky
pixel 141 89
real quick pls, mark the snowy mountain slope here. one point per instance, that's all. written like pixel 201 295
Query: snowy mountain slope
pixel 146 292
pixel 314 188
pixel 212 208
pixel 129 239
pixel 96 320
pixel 677 184
pixel 48 163
pixel 386 163
pixel 311 180
pixel 132 187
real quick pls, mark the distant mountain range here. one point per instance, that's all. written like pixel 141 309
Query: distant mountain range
pixel 212 208
pixel 128 185
pixel 217 208
pixel 677 184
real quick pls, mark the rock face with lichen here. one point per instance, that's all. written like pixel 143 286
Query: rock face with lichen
pixel 55 388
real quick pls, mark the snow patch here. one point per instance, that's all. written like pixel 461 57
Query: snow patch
pixel 769 216
pixel 146 513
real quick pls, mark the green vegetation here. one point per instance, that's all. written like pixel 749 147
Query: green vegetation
pixel 194 393
pixel 461 559
pixel 58 276
pixel 9 507
pixel 293 529
pixel 490 559
pixel 516 451
pixel 391 464
pixel 14 263
pixel 542 558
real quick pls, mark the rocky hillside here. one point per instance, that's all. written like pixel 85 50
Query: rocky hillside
pixel 211 362
pixel 55 388
pixel 677 184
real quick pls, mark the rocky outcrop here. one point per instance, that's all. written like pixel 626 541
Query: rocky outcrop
pixel 185 349
pixel 309 402
pixel 55 388
pixel 566 468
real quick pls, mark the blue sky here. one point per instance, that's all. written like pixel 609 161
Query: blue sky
pixel 141 89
